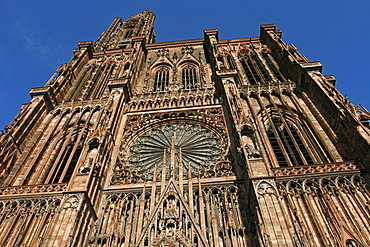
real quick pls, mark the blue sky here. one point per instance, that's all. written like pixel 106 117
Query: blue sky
pixel 37 36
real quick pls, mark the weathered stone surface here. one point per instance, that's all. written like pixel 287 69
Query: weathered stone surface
pixel 201 142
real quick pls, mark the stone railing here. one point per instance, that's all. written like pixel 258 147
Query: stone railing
pixel 32 189
pixel 277 86
pixel 40 89
pixel 37 91
pixel 83 103
pixel 311 66
pixel 315 169
pixel 183 98
pixel 226 72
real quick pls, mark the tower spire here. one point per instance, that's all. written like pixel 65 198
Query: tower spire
pixel 120 33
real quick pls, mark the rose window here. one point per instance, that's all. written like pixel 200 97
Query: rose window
pixel 173 150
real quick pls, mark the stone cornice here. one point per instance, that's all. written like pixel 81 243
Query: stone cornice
pixel 315 169
pixel 32 190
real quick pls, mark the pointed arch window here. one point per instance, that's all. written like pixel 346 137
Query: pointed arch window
pixel 67 159
pixel 128 34
pixel 287 143
pixel 260 67
pixel 189 76
pixel 67 164
pixel 250 69
pixel 161 79
pixel 351 243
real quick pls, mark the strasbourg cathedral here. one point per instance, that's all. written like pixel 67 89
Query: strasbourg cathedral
pixel 202 142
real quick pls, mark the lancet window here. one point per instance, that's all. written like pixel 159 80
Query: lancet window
pixel 67 160
pixel 260 68
pixel 93 82
pixel 351 243
pixel 161 79
pixel 189 76
pixel 128 34
pixel 230 62
pixel 62 148
pixel 287 144
pixel 250 71
pixel 273 66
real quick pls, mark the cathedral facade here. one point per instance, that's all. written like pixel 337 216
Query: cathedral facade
pixel 202 142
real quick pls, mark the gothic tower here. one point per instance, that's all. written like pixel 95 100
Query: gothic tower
pixel 202 142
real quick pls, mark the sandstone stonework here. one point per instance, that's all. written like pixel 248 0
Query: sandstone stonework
pixel 202 142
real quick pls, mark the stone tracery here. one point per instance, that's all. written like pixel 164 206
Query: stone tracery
pixel 178 217
pixel 175 149
pixel 327 199
pixel 99 158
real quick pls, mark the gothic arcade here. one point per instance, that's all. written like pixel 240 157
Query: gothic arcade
pixel 203 142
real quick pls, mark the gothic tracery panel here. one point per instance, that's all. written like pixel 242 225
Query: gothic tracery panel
pixel 333 201
pixel 161 79
pixel 26 221
pixel 203 216
pixel 190 76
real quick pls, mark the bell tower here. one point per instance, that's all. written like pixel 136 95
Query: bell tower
pixel 120 33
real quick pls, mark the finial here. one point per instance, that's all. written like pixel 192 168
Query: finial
pixel 146 11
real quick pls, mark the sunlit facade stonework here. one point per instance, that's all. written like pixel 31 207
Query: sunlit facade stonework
pixel 202 142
